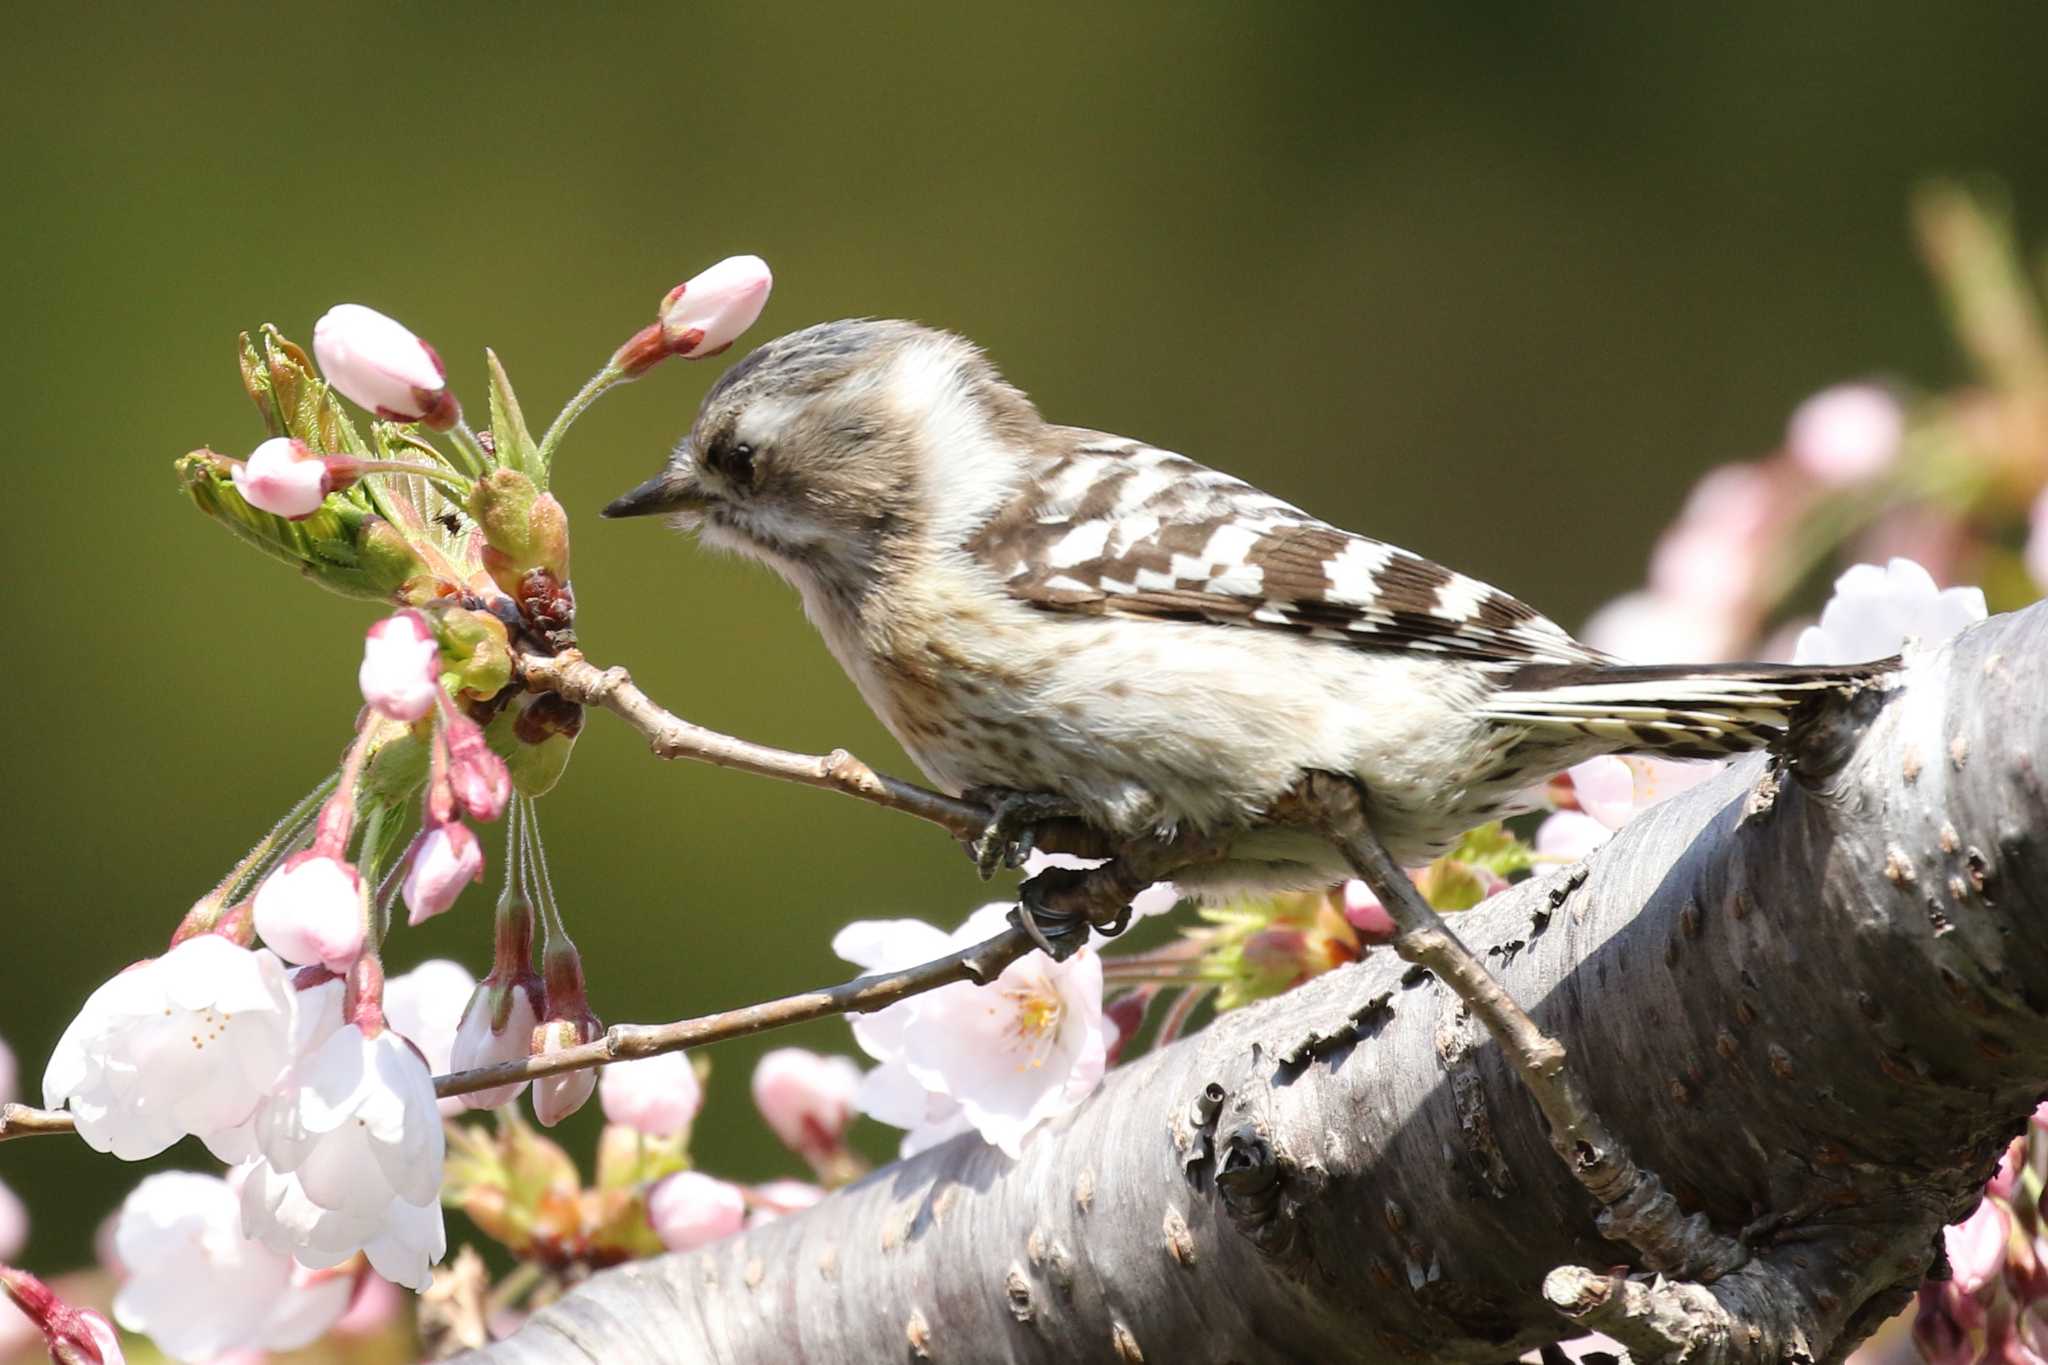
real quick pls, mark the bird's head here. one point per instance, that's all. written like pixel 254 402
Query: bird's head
pixel 823 449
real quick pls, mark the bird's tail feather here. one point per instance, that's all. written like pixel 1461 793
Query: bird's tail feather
pixel 1680 710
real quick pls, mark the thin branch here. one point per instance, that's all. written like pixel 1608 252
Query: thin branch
pixel 670 736
pixel 981 963
pixel 1636 1208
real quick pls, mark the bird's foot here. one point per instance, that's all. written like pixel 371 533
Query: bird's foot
pixel 1060 906
pixel 1012 830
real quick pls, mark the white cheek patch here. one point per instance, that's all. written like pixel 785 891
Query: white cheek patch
pixel 1354 573
pixel 966 471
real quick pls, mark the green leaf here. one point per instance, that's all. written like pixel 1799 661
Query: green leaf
pixel 343 546
pixel 514 443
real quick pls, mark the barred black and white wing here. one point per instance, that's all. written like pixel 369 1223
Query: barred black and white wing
pixel 1118 527
pixel 1114 526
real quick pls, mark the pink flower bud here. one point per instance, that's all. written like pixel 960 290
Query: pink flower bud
pixel 1846 434
pixel 380 365
pixel 481 782
pixel 446 859
pixel 485 1039
pixel 283 478
pixel 1363 912
pixel 658 1096
pixel 690 1209
pixel 562 1094
pixel 310 911
pixel 705 313
pixel 401 671
pixel 76 1336
pixel 807 1099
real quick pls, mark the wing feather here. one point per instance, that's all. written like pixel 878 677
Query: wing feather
pixel 1111 526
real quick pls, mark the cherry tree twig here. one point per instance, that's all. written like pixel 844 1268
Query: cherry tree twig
pixel 980 963
pixel 570 675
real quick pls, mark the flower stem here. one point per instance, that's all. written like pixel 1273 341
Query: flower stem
pixel 594 389
pixel 272 847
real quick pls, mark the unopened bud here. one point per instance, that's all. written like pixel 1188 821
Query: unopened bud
pixel 569 1023
pixel 283 478
pixel 311 911
pixel 76 1336
pixel 380 365
pixel 689 1209
pixel 475 649
pixel 477 777
pixel 807 1099
pixel 524 529
pixel 658 1096
pixel 707 312
pixel 401 670
pixel 1363 912
pixel 445 859
pixel 498 1023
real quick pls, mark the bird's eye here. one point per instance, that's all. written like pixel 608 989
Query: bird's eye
pixel 734 460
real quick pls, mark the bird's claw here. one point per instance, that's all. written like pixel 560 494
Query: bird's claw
pixel 1060 933
pixel 1053 909
pixel 1012 829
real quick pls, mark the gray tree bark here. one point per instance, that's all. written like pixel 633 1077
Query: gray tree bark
pixel 1810 996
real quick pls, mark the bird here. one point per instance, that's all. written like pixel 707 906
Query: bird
pixel 1068 622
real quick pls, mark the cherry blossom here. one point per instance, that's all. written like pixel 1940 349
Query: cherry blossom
pixel 446 859
pixel 401 669
pixel 187 1043
pixel 1608 792
pixel 689 1209
pixel 1875 612
pixel 284 478
pixel 377 363
pixel 198 1288
pixel 426 1006
pixel 1846 434
pixel 311 911
pixel 707 312
pixel 807 1099
pixel 1027 1047
pixel 351 1150
pixel 498 1023
pixel 658 1095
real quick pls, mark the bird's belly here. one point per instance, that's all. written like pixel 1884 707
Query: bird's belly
pixel 1158 725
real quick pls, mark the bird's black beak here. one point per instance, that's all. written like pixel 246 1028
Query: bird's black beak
pixel 672 490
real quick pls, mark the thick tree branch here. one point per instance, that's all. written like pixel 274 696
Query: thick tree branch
pixel 1813 1000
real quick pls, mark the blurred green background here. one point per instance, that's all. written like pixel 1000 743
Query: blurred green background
pixel 1494 281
